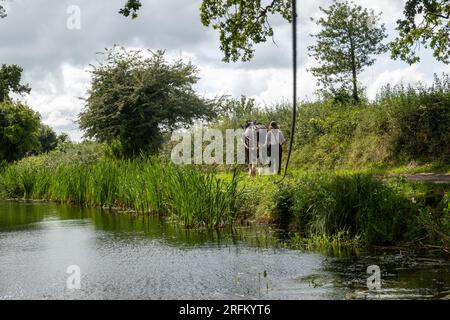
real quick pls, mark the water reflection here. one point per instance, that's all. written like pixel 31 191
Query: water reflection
pixel 136 257
pixel 26 215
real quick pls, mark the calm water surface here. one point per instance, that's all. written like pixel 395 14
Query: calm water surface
pixel 126 257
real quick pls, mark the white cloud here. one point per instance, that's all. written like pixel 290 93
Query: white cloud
pixel 57 98
pixel 394 77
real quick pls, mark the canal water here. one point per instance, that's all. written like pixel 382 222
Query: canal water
pixel 44 247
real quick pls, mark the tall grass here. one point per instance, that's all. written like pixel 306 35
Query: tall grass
pixel 202 198
pixel 358 205
pixel 145 185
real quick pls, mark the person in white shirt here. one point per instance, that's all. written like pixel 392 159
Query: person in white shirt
pixel 274 144
pixel 254 136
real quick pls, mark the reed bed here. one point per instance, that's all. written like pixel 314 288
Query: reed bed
pixel 147 186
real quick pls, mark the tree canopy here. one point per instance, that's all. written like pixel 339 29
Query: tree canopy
pixel 135 98
pixel 427 23
pixel 131 8
pixel 10 77
pixel 19 130
pixel 48 140
pixel 241 24
pixel 349 38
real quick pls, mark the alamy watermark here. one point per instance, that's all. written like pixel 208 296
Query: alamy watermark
pixel 374 280
pixel 256 147
pixel 73 281
pixel 74 17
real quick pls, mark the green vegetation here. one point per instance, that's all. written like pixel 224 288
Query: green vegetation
pixel 22 133
pixel 244 24
pixel 241 24
pixel 19 126
pixel 339 193
pixel 320 209
pixel 10 78
pixel 142 185
pixel 134 100
pixel 405 125
pixel 361 206
pixel 405 130
pixel 349 37
pixel 21 130
pixel 426 24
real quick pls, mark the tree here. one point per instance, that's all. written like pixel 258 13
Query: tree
pixel 135 99
pixel 10 77
pixel 48 140
pixel 241 24
pixel 427 23
pixel 19 130
pixel 349 37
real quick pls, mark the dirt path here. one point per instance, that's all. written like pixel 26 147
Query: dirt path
pixel 428 177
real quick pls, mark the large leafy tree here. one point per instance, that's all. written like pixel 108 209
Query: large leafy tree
pixel 10 78
pixel 241 24
pixel 427 23
pixel 349 38
pixel 135 98
pixel 19 130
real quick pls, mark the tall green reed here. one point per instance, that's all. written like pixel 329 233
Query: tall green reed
pixel 145 185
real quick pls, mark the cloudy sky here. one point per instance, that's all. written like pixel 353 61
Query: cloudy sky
pixel 56 58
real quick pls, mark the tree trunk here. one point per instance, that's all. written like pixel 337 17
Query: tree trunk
pixel 355 83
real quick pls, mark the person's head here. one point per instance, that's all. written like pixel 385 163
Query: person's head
pixel 273 125
pixel 248 123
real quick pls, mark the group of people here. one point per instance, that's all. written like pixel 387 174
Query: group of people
pixel 264 148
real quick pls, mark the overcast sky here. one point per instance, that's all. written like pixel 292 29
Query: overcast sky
pixel 56 58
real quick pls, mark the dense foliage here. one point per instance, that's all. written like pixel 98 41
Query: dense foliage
pixel 363 206
pixel 134 99
pixel 426 23
pixel 22 133
pixel 19 130
pixel 404 124
pixel 10 76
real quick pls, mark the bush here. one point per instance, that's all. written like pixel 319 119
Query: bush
pixel 421 123
pixel 404 124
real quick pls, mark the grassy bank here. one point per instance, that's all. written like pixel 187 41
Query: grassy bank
pixel 344 207
pixel 320 208
pixel 337 191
